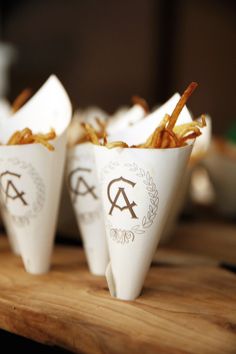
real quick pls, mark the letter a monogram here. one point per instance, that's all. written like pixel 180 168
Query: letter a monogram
pixel 121 193
pixel 11 190
pixel 81 187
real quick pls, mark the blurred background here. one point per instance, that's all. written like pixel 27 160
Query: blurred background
pixel 106 51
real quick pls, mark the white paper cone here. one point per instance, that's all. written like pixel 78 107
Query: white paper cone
pixel 129 118
pixel 146 126
pixel 5 109
pixel 48 108
pixel 6 217
pixel 119 112
pixel 83 187
pixel 31 175
pixel 137 189
pixel 176 207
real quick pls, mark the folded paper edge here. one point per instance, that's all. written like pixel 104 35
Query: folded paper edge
pixel 110 280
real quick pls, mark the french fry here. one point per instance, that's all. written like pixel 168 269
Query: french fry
pixel 140 101
pixel 102 125
pixel 166 135
pixel 191 136
pixel 196 123
pixel 40 140
pixel 180 105
pixel 26 136
pixel 91 133
pixel 116 144
pixel 104 139
pixel 21 99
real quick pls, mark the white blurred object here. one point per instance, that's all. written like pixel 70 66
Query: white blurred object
pixel 129 118
pixel 67 222
pixel 176 208
pixel 201 188
pixel 203 142
pixel 7 54
pixel 221 165
pixel 5 108
pixel 90 114
pixel 119 112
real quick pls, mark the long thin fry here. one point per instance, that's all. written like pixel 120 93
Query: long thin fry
pixel 41 141
pixel 195 123
pixel 173 136
pixel 116 144
pixel 14 139
pixel 140 101
pixel 180 105
pixel 24 134
pixel 102 125
pixel 166 135
pixel 21 99
pixel 91 133
pixel 154 139
pixel 49 136
pixel 165 142
pixel 191 136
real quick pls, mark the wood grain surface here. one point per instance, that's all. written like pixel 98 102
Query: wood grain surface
pixel 212 239
pixel 188 305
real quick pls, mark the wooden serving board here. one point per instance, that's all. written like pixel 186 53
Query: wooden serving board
pixel 187 306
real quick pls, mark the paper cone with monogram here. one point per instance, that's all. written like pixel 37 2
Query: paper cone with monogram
pixel 8 224
pixel 83 187
pixel 31 175
pixel 138 186
pixel 137 189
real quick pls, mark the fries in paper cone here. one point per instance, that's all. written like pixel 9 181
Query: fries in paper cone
pixel 138 185
pixel 8 224
pixel 140 132
pixel 83 184
pixel 31 170
pixel 83 187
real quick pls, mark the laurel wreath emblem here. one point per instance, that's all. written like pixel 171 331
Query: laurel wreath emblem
pixel 37 205
pixel 123 236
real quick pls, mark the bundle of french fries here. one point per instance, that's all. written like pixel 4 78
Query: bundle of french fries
pixel 26 136
pixel 166 135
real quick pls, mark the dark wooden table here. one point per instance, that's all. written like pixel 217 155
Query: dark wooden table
pixel 188 304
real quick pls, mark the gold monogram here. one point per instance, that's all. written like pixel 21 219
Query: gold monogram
pixel 11 191
pixel 81 187
pixel 121 192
